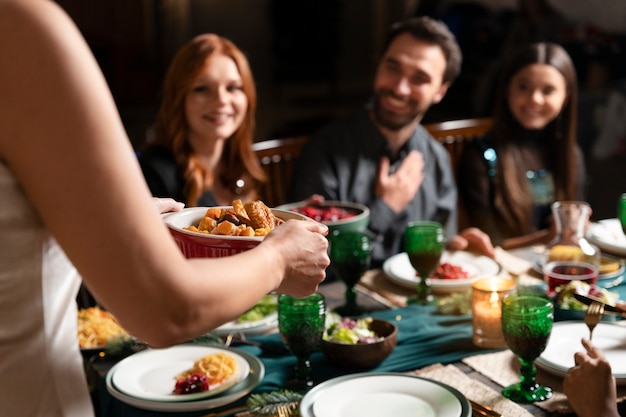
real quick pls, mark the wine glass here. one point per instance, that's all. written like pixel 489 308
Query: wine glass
pixel 351 257
pixel 424 243
pixel 301 322
pixel 621 211
pixel 526 325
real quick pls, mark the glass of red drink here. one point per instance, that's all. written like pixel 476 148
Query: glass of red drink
pixel 559 273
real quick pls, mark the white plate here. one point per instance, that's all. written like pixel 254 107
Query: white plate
pixel 384 394
pixel 398 269
pixel 254 377
pixel 151 374
pixel 607 234
pixel 565 341
pixel 264 325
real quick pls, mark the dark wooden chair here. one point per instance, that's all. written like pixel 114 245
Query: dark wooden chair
pixel 454 135
pixel 276 157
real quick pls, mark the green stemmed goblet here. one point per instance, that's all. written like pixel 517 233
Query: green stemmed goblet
pixel 424 242
pixel 526 325
pixel 351 257
pixel 301 322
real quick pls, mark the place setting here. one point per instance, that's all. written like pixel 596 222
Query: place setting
pixel 171 379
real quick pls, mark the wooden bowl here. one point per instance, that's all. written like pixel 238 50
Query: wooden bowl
pixel 366 355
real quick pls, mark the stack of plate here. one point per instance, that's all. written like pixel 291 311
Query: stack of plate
pixel 384 394
pixel 147 379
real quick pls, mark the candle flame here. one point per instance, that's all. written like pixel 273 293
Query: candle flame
pixel 494 299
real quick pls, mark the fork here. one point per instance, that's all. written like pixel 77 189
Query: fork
pixel 283 410
pixel 593 316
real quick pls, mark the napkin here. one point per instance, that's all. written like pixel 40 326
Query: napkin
pixel 472 389
pixel 609 231
pixel 503 368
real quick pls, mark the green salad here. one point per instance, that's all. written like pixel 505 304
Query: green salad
pixel 266 306
pixel 565 300
pixel 349 331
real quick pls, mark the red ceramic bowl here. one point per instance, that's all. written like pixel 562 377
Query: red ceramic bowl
pixel 200 245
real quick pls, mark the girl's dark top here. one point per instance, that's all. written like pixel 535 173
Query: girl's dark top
pixel 476 182
pixel 165 177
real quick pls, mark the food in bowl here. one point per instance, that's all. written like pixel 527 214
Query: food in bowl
pixel 373 344
pixel 337 215
pixel 253 218
pixel 206 245
pixel 351 331
pixel 326 213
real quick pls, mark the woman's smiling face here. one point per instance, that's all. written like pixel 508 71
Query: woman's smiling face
pixel 215 105
pixel 537 94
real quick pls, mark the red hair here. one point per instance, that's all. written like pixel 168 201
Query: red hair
pixel 171 130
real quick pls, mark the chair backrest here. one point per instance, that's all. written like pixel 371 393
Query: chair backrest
pixel 454 134
pixel 276 157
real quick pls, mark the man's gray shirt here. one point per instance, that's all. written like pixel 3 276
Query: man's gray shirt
pixel 341 162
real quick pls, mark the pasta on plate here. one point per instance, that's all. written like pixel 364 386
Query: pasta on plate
pixel 96 327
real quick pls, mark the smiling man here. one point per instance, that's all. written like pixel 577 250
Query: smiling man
pixel 381 156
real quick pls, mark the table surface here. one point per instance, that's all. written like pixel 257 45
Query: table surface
pixel 334 292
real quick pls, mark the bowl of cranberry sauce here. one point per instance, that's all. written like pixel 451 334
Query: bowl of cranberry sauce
pixel 337 215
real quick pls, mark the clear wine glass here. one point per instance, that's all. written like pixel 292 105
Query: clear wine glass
pixel 526 325
pixel 301 322
pixel 351 256
pixel 424 242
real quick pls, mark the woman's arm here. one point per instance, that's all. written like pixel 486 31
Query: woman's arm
pixel 64 141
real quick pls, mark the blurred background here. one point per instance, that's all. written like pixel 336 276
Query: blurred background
pixel 314 60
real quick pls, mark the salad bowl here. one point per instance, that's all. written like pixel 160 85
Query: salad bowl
pixel 363 355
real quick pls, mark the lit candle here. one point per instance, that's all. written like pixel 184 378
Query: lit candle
pixel 487 295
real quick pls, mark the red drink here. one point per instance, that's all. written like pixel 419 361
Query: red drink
pixel 562 272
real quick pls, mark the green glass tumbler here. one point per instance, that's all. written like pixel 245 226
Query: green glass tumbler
pixel 526 325
pixel 301 322
pixel 351 257
pixel 424 242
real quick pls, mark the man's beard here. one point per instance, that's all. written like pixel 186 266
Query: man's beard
pixel 393 121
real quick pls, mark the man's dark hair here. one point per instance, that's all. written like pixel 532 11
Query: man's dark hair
pixel 431 31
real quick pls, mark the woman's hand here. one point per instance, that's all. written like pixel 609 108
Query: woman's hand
pixel 303 248
pixel 165 205
pixel 590 385
pixel 473 239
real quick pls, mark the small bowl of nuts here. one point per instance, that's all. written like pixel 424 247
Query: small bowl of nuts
pixel 214 232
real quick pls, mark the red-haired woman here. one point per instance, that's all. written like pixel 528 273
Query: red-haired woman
pixel 201 149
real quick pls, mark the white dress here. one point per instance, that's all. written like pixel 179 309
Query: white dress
pixel 41 371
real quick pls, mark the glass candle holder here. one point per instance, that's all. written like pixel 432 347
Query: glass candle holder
pixel 487 295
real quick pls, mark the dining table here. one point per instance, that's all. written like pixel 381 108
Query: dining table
pixel 431 344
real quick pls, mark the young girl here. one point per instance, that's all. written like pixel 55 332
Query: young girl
pixel 201 152
pixel 531 157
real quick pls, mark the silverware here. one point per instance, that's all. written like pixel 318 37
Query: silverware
pixel 608 309
pixel 483 410
pixel 593 316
